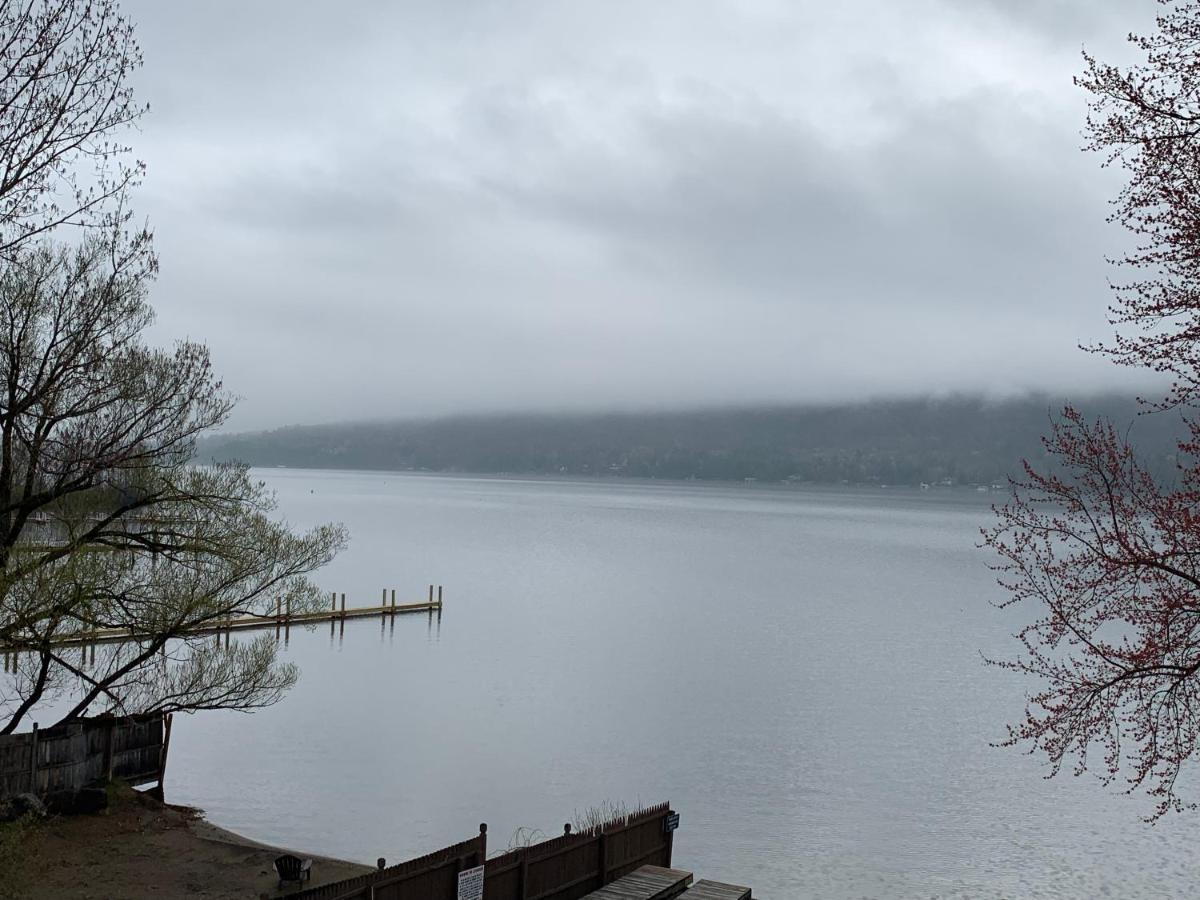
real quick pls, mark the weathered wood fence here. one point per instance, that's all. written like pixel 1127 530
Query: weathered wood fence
pixel 563 868
pixel 429 877
pixel 62 760
pixel 576 864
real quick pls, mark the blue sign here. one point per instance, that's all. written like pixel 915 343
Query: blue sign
pixel 671 823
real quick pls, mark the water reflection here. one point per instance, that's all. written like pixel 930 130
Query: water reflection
pixel 797 672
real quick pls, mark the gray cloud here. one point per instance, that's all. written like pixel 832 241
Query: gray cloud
pixel 387 209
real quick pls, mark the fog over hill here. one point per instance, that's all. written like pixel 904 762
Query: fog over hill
pixel 963 439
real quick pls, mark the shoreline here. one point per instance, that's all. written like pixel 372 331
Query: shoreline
pixel 142 847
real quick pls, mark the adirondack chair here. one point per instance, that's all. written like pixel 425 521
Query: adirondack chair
pixel 292 868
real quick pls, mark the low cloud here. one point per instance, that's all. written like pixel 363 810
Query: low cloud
pixel 400 211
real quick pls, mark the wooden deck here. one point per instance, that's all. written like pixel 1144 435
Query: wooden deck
pixel 647 883
pixel 715 890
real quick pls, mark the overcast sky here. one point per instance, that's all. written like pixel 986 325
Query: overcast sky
pixel 380 209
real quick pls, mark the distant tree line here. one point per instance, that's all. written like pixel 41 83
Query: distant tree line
pixel 960 440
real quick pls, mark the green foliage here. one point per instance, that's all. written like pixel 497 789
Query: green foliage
pixel 104 523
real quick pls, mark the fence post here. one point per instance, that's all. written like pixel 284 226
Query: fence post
pixel 162 762
pixel 670 838
pixel 523 875
pixel 603 857
pixel 33 787
pixel 108 750
pixel 482 844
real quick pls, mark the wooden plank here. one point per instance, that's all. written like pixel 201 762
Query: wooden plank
pixel 715 890
pixel 647 883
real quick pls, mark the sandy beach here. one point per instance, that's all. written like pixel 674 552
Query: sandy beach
pixel 142 848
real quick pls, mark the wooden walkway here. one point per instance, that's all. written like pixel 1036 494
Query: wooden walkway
pixel 647 883
pixel 281 619
pixel 715 890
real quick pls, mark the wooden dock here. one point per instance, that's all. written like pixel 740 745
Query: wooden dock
pixel 283 619
pixel 647 883
pixel 715 890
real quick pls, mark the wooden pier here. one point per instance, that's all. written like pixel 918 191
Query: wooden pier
pixel 283 619
pixel 646 883
pixel 658 883
pixel 715 890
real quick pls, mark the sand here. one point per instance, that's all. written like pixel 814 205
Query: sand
pixel 142 848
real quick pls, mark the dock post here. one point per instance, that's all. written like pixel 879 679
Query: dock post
pixel 333 596
pixel 439 596
pixel 343 606
pixel 383 599
pixel 393 601
pixel 431 595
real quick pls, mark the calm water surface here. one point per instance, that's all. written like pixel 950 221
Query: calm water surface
pixel 798 672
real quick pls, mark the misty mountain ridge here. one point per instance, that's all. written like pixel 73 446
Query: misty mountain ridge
pixel 954 440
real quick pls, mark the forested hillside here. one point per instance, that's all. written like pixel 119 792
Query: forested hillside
pixel 967 440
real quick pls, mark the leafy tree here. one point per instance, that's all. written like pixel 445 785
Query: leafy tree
pixel 1110 554
pixel 104 521
pixel 65 99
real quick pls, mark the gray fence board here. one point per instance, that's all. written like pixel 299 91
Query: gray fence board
pixel 71 756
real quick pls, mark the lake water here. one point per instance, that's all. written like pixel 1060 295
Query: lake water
pixel 798 672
